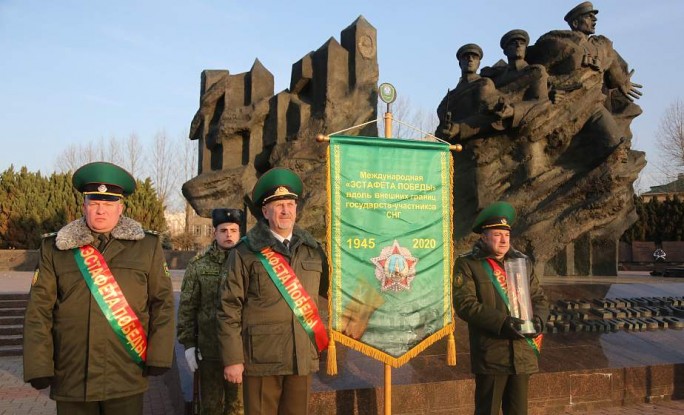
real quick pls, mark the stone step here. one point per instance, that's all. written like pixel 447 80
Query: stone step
pixel 13 303
pixel 9 312
pixel 14 296
pixel 12 340
pixel 11 320
pixel 11 329
pixel 11 350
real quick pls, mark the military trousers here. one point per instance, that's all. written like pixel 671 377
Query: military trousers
pixel 218 397
pixel 507 392
pixel 129 405
pixel 277 395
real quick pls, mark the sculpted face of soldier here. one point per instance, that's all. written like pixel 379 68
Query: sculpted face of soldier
pixel 586 23
pixel 281 216
pixel 498 241
pixel 102 215
pixel 515 49
pixel 227 235
pixel 469 62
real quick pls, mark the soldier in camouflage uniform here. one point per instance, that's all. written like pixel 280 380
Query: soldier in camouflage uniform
pixel 197 316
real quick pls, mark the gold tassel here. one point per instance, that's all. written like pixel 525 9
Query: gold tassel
pixel 332 359
pixel 451 350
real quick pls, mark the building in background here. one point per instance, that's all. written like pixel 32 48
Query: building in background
pixel 662 192
pixel 197 234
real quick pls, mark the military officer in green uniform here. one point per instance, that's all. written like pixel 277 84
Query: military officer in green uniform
pixel 197 316
pixel 100 317
pixel 277 269
pixel 501 357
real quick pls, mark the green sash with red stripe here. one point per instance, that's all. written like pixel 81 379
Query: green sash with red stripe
pixel 302 305
pixel 112 302
pixel 498 277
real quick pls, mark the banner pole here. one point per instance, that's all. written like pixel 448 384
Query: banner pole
pixel 388 368
pixel 388 123
pixel 388 389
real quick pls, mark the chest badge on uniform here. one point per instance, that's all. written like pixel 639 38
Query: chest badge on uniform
pixel 166 270
pixel 395 268
pixel 459 280
pixel 35 278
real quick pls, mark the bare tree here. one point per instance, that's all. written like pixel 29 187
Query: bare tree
pixel 114 152
pixel 670 135
pixel 69 159
pixel 163 167
pixel 134 155
pixel 76 155
pixel 408 122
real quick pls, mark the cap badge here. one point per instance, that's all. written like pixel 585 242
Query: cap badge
pixel 281 191
pixel 102 188
pixel 504 221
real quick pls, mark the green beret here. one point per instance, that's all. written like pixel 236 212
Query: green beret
pixel 276 184
pixel 469 48
pixel 514 34
pixel 219 216
pixel 103 181
pixel 498 215
pixel 580 9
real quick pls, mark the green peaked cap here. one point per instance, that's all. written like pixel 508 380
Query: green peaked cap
pixel 498 215
pixel 277 183
pixel 102 178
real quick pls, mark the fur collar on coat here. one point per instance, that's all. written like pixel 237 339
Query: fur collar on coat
pixel 77 233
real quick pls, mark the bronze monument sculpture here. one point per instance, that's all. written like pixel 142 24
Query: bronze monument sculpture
pixel 547 130
pixel 559 150
pixel 243 128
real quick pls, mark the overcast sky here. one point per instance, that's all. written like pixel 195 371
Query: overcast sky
pixel 81 71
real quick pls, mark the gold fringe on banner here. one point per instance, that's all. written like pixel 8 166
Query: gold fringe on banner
pixel 451 342
pixel 336 336
pixel 395 362
pixel 332 359
pixel 332 351
pixel 451 350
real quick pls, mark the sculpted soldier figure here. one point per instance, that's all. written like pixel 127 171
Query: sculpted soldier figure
pixel 473 107
pixel 270 331
pixel 197 316
pixel 578 57
pixel 517 76
pixel 100 317
pixel 502 358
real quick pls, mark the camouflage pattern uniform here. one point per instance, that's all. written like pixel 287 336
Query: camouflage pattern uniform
pixel 197 328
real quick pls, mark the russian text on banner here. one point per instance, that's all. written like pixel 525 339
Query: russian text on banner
pixel 390 247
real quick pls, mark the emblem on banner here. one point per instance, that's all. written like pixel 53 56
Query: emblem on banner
pixel 395 268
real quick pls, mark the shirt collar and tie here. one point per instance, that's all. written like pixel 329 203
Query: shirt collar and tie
pixel 284 240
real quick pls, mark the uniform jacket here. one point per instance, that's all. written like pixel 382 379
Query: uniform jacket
pixel 565 52
pixel 256 326
pixel 66 334
pixel 477 301
pixel 198 300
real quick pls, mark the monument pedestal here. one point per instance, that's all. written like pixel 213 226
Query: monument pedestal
pixel 578 370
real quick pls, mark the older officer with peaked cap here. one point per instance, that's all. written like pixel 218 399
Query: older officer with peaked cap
pixel 100 316
pixel 197 316
pixel 501 357
pixel 270 331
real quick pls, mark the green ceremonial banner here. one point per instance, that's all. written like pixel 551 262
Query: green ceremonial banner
pixel 390 246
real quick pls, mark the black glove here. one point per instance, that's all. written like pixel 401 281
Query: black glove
pixel 538 327
pixel 154 370
pixel 511 328
pixel 41 383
